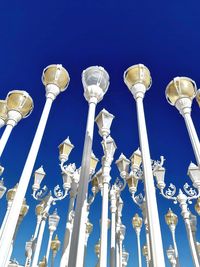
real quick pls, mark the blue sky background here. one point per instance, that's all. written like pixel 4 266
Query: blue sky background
pixel 114 34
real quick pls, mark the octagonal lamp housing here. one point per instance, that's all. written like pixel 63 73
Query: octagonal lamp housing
pixel 54 220
pixel 110 146
pixel 39 175
pixel 65 149
pixel 136 159
pixel 194 174
pixel 137 221
pixel 160 177
pixel 171 218
pixel 104 120
pixel 123 165
pixel 93 163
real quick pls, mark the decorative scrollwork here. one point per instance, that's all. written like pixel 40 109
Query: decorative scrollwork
pixel 58 192
pixel 189 190
pixel 41 194
pixel 139 199
pixel 171 190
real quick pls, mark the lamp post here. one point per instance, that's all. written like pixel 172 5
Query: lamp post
pixel 48 199
pixel 95 82
pixel 3 112
pixel 56 80
pixel 171 256
pixel 55 246
pixel 53 223
pixel 180 93
pixel 2 188
pixel 138 80
pixel 183 199
pixel 19 105
pixel 171 220
pixel 137 225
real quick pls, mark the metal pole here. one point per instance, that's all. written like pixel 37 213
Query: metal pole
pixel 9 229
pixel 5 136
pixel 137 230
pixel 113 209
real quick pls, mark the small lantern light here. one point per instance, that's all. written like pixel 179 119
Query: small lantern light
pixel 110 146
pixel 40 208
pixel 11 193
pixel 65 149
pixel 55 244
pixel 57 75
pixel 123 165
pixel 194 174
pixel 104 120
pixel 93 162
pixel 3 111
pixel 160 177
pixel 39 175
pixel 171 218
pixel 53 220
pixel 132 183
pixel 136 159
pixel 137 221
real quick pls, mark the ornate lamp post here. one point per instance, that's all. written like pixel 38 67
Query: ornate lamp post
pixel 53 223
pixel 179 93
pixel 56 80
pixel 19 105
pixel 55 246
pixel 48 200
pixel 138 80
pixel 172 220
pixel 3 112
pixel 95 82
pixel 2 188
pixel 137 225
pixel 183 199
pixel 171 256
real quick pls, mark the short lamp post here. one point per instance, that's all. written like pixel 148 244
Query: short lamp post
pixel 95 82
pixel 55 246
pixel 138 80
pixel 56 80
pixel 171 220
pixel 19 105
pixel 137 225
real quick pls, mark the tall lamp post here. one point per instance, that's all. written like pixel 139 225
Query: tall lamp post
pixel 19 105
pixel 137 225
pixel 56 80
pixel 138 81
pixel 172 220
pixel 95 82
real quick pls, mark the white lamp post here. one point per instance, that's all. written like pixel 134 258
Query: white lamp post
pixel 183 200
pixel 3 112
pixel 138 80
pixel 95 82
pixel 179 93
pixel 172 220
pixel 19 105
pixel 53 223
pixel 56 80
pixel 137 225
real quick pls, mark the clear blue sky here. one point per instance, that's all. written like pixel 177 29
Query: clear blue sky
pixel 114 34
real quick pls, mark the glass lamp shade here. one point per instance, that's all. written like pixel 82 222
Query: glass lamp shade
pixel 40 208
pixel 123 164
pixel 145 251
pixel 110 146
pixel 97 248
pixel 3 110
pixel 54 220
pixel 20 101
pixel 194 174
pixel 2 188
pixel 93 162
pixel 56 74
pixel 39 175
pixel 55 244
pixel 11 193
pixel 137 74
pixel 137 221
pixel 65 149
pixel 136 158
pixel 132 183
pixel 67 180
pixel 43 263
pixel 171 218
pixel 198 97
pixel 197 206
pixel 180 87
pixel 160 175
pixel 89 227
pixel 104 120
pixel 95 76
pixel 24 209
pixel 95 182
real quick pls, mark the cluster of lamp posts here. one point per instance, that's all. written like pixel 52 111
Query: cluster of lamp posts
pixel 180 92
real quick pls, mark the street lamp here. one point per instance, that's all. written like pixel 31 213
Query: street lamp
pixel 3 112
pixel 56 79
pixel 95 83
pixel 180 93
pixel 138 80
pixel 171 220
pixel 55 246
pixel 19 105
pixel 137 225
pixel 65 149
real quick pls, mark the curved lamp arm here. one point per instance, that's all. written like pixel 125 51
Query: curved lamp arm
pixel 40 194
